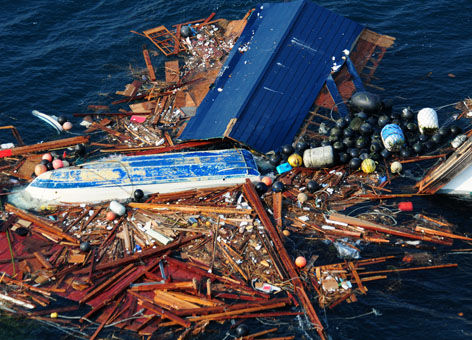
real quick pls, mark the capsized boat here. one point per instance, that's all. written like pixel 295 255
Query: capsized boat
pixel 117 178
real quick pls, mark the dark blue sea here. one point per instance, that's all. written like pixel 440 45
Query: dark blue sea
pixel 60 56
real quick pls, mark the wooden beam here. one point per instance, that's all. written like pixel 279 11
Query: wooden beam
pixel 40 223
pixel 56 144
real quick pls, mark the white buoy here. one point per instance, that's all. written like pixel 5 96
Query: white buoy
pixel 396 167
pixel 320 157
pixel 428 120
pixel 117 208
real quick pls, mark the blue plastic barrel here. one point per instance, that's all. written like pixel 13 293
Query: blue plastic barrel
pixel 392 137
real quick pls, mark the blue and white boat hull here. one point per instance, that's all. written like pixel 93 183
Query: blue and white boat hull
pixel 117 178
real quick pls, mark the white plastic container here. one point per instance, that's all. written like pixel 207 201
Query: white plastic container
pixel 320 157
pixel 428 120
pixel 117 208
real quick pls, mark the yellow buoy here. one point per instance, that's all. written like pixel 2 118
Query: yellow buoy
pixel 368 166
pixel 295 160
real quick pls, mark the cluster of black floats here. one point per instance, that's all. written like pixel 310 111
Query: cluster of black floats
pixel 356 136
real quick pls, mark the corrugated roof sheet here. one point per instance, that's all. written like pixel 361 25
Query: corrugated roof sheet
pixel 273 75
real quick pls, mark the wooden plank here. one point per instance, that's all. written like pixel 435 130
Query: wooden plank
pixel 56 144
pixel 40 223
pixel 164 286
pixel 441 233
pixel 172 72
pixel 380 228
pixel 147 59
pixel 42 260
pixel 165 314
pixel 190 209
pixel 357 278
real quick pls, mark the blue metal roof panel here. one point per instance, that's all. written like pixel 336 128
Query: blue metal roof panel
pixel 273 75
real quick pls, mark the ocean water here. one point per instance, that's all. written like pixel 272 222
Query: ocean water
pixel 60 56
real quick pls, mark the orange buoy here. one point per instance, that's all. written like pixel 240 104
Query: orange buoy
pixel 40 169
pixel 111 216
pixel 48 157
pixel 267 181
pixel 300 262
pixel 286 232
pixel 57 163
pixel 67 126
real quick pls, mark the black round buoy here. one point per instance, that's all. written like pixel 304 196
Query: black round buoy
pixel 287 149
pixel 138 195
pixel 61 120
pixel 364 155
pixel 429 145
pixel 455 130
pixel 437 138
pixel 348 132
pixel 375 147
pixel 338 146
pixel 261 188
pixel 418 147
pixel 407 114
pixel 366 129
pixel 355 163
pixel 341 123
pixel 356 123
pixel 44 162
pixel 85 246
pixel 242 330
pixel 312 186
pixel 354 152
pixel 383 120
pixel 362 115
pixel 49 166
pixel 366 101
pixel 348 142
pixel 300 147
pixel 423 138
pixel 335 131
pixel 361 143
pixel 412 127
pixel 344 158
pixel 405 152
pixel 387 105
pixel 385 153
pixel 22 231
pixel 80 149
pixel 274 159
pixel 278 186
pixel 185 31
pixel 444 131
